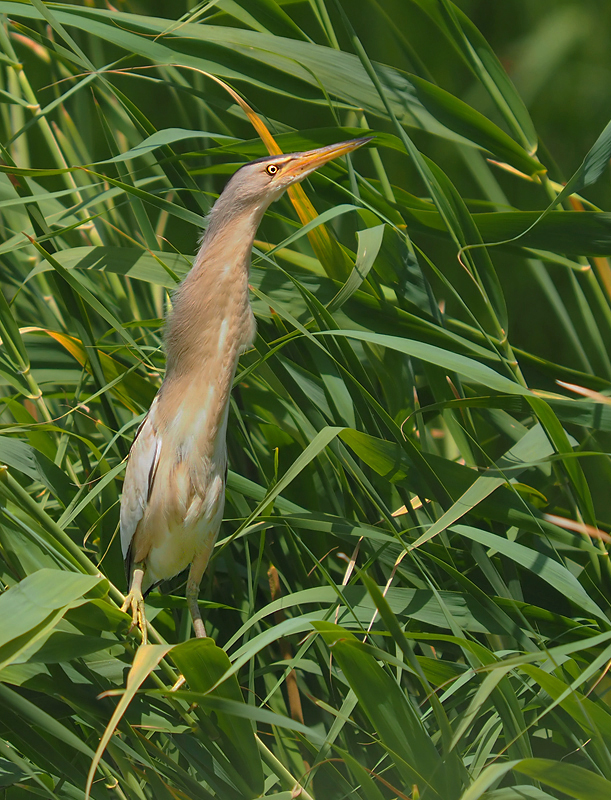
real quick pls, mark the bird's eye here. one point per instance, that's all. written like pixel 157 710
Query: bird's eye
pixel 272 169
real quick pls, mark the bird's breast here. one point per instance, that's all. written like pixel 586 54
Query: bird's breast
pixel 186 500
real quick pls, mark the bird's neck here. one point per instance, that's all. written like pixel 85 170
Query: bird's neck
pixel 212 321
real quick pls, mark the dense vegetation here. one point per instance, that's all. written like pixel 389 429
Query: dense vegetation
pixel 411 592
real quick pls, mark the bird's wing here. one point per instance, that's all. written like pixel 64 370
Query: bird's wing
pixel 139 476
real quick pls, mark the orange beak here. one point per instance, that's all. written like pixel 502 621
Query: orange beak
pixel 303 164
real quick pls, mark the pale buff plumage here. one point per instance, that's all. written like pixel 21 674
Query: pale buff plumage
pixel 173 494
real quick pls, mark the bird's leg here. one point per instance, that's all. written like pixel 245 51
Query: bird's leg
pixel 198 567
pixel 135 601
pixel 193 582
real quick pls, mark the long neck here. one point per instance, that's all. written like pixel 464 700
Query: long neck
pixel 212 320
pixel 211 306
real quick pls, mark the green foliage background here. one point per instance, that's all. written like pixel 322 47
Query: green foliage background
pixel 410 593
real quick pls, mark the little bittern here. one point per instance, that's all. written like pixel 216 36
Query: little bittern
pixel 174 490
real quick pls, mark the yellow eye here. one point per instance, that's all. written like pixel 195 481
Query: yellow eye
pixel 272 169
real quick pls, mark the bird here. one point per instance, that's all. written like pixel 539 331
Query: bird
pixel 174 488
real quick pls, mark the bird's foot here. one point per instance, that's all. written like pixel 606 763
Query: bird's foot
pixel 134 600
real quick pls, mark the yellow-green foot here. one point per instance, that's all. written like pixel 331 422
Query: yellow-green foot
pixel 135 601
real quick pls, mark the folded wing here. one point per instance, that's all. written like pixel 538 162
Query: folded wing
pixel 139 478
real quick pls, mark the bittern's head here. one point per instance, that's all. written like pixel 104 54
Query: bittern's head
pixel 257 184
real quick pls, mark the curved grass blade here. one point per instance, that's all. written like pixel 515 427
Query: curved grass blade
pixel 146 660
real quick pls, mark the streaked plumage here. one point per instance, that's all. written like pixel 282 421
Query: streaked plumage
pixel 174 489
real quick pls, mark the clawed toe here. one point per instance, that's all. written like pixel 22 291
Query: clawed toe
pixel 135 601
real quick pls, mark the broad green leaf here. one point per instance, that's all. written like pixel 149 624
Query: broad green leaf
pixel 203 663
pixel 559 439
pixel 61 646
pixel 229 715
pixel 24 606
pixel 568 778
pixel 370 241
pixel 161 138
pixel 316 446
pixel 483 61
pixel 131 262
pixel 21 456
pixel 468 368
pixel 475 127
pixel 566 232
pixel 592 167
pixel 391 713
pixel 592 717
pixel 14 768
pixel 493 774
pixel 533 446
pixel 308 64
pixel 547 569
pixel 522 792
pixel 404 602
pixel 390 460
pixel 263 15
pixel 41 720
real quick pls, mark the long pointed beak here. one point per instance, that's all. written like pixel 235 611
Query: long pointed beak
pixel 305 163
